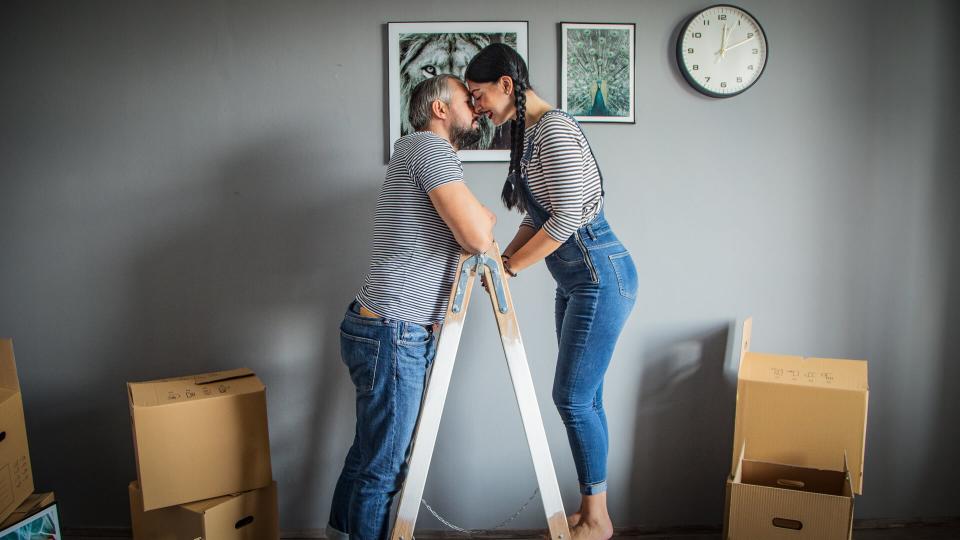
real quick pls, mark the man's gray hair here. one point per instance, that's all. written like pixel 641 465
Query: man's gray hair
pixel 423 96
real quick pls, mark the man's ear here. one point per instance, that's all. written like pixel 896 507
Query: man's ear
pixel 506 84
pixel 439 109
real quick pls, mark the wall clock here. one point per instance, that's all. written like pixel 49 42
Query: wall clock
pixel 722 51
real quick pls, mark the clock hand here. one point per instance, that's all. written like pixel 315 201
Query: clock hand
pixel 723 43
pixel 739 43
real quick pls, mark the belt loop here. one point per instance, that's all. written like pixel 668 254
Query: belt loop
pixel 590 232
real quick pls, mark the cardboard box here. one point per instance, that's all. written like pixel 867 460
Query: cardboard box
pixel 28 507
pixel 251 515
pixel 200 437
pixel 16 475
pixel 799 442
pixel 773 501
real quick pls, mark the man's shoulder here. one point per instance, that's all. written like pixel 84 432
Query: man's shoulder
pixel 423 141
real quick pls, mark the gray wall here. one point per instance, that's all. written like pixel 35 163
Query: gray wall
pixel 188 186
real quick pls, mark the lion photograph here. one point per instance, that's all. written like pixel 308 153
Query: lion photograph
pixel 425 55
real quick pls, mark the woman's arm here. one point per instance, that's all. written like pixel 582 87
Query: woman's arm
pixel 524 234
pixel 534 246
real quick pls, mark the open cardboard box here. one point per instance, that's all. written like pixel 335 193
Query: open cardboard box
pixel 251 515
pixel 16 474
pixel 200 437
pixel 799 441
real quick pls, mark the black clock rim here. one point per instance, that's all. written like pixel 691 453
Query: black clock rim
pixel 689 78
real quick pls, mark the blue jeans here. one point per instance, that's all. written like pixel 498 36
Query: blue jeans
pixel 388 362
pixel 596 290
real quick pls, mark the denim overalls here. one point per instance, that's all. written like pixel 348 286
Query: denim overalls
pixel 596 289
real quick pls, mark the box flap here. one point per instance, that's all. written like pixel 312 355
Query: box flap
pixel 194 387
pixel 807 412
pixel 220 376
pixel 200 507
pixel 745 336
pixel 8 366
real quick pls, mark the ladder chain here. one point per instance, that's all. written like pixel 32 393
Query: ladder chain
pixel 502 524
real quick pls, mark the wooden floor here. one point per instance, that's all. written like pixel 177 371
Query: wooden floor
pixel 935 530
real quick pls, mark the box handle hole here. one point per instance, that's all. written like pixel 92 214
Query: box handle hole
pixel 3 435
pixel 244 522
pixel 790 483
pixel 791 524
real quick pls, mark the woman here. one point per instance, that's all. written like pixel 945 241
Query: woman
pixel 555 180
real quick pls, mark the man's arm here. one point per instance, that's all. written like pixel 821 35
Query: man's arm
pixel 471 222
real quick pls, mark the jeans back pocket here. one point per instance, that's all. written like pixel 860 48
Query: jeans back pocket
pixel 626 274
pixel 360 354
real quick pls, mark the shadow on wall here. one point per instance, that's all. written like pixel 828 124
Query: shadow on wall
pixel 259 278
pixel 946 225
pixel 684 429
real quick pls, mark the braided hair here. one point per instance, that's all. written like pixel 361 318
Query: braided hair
pixel 494 61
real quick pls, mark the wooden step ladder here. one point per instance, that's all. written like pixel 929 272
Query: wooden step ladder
pixel 425 436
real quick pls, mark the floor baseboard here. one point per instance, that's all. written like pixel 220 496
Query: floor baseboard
pixel 513 534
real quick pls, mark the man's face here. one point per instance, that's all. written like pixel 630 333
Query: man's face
pixel 464 123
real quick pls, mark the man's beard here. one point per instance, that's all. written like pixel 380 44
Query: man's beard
pixel 464 136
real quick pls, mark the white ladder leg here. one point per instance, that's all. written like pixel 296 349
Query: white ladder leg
pixel 435 394
pixel 529 408
pixel 428 425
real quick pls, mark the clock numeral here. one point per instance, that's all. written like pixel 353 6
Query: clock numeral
pixel 721 17
pixel 723 84
pixel 749 35
pixel 696 67
pixel 706 22
pixel 739 79
pixel 739 21
pixel 756 51
pixel 697 35
pixel 708 79
pixel 689 51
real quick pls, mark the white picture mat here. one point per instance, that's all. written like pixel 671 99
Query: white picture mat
pixel 631 117
pixel 48 511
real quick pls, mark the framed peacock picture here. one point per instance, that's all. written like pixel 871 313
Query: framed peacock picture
pixel 597 78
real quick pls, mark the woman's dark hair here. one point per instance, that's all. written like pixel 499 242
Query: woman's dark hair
pixel 491 63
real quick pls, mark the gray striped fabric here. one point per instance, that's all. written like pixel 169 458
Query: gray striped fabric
pixel 414 257
pixel 563 175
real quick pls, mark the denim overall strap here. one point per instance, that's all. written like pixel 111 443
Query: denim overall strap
pixel 538 214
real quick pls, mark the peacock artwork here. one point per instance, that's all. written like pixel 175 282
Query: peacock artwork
pixel 597 68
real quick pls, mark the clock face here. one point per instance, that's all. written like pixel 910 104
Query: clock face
pixel 722 51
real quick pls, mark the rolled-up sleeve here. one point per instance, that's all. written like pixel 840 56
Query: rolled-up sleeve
pixel 562 162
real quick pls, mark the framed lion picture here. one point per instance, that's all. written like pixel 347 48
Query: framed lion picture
pixel 417 51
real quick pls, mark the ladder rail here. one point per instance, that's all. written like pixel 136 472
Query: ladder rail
pixel 438 384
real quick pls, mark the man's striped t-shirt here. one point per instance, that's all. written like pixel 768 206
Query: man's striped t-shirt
pixel 562 174
pixel 415 255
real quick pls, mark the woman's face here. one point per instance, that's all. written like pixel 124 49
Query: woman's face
pixel 494 99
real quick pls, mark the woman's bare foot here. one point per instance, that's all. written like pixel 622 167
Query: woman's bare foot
pixel 590 529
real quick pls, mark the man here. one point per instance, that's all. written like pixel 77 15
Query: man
pixel 425 216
